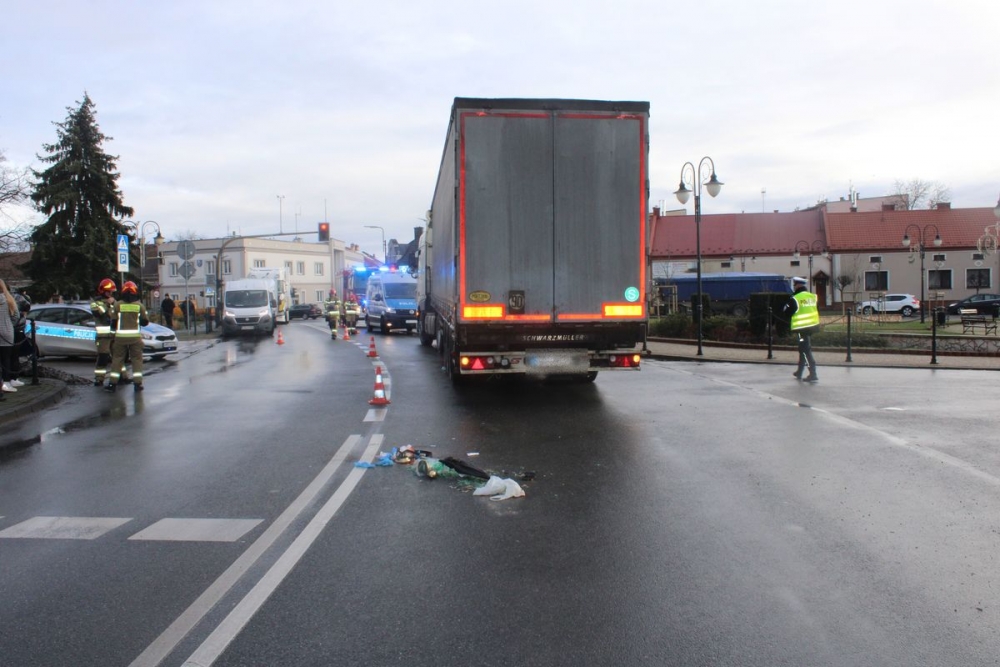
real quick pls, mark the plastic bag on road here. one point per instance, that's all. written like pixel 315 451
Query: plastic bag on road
pixel 500 489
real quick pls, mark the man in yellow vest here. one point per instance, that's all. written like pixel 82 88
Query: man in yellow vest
pixel 804 310
pixel 127 318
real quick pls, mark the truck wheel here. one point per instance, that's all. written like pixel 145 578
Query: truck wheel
pixel 425 338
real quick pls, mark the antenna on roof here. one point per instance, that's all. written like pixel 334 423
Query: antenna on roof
pixel 763 200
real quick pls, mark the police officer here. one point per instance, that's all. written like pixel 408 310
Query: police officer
pixel 101 307
pixel 804 310
pixel 127 317
pixel 333 313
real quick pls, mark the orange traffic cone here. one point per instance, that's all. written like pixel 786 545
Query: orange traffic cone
pixel 371 349
pixel 347 333
pixel 281 339
pixel 378 397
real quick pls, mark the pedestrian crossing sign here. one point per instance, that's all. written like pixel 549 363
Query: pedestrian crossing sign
pixel 122 253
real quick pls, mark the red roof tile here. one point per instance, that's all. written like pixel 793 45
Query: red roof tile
pixel 731 233
pixel 884 230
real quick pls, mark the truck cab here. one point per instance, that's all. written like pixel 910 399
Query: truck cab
pixel 392 302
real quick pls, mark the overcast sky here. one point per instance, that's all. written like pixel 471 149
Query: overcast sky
pixel 217 107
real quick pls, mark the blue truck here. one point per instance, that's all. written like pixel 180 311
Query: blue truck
pixel 729 292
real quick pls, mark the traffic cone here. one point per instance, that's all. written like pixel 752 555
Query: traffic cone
pixel 371 349
pixel 281 339
pixel 378 397
pixel 347 333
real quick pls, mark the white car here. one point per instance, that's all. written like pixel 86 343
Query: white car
pixel 69 329
pixel 905 304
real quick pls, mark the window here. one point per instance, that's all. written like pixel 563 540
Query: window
pixel 210 267
pixel 795 262
pixel 939 279
pixel 876 281
pixel 318 269
pixel 227 266
pixel 174 268
pixel 727 265
pixel 300 268
pixel 875 259
pixel 288 265
pixel 978 257
pixel 319 296
pixel 259 264
pixel 940 258
pixel 977 278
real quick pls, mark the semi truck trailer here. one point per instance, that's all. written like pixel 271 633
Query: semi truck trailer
pixel 533 261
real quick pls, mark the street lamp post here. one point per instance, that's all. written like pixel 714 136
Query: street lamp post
pixel 811 248
pixel 281 200
pixel 697 178
pixel 385 258
pixel 140 230
pixel 921 247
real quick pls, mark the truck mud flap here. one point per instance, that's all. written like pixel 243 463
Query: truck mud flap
pixel 545 362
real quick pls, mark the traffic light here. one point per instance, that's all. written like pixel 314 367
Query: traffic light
pixel 324 231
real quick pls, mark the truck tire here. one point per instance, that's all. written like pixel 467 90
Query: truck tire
pixel 425 338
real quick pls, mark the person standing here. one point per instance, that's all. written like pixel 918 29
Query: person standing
pixel 804 310
pixel 167 310
pixel 9 315
pixel 127 317
pixel 101 307
pixel 333 313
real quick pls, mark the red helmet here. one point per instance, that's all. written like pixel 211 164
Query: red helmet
pixel 106 286
pixel 129 287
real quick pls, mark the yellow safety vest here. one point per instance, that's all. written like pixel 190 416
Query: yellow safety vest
pixel 807 313
pixel 128 320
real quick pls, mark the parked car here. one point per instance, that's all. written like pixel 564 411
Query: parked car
pixel 69 330
pixel 984 304
pixel 305 310
pixel 905 304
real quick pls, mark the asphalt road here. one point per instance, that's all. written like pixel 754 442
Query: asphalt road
pixel 689 514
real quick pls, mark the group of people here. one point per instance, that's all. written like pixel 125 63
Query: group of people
pixel 167 306
pixel 119 333
pixel 349 312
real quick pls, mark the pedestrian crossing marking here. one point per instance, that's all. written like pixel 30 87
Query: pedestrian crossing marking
pixel 197 530
pixel 63 527
pixel 375 415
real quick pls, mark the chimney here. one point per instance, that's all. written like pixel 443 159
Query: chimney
pixel 943 205
pixel 656 212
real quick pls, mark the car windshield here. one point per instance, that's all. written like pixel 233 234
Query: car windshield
pixel 256 298
pixel 401 290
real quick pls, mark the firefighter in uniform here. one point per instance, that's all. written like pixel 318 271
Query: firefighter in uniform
pixel 804 309
pixel 333 313
pixel 127 317
pixel 101 307
pixel 352 312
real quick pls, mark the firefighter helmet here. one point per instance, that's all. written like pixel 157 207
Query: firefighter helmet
pixel 106 286
pixel 129 287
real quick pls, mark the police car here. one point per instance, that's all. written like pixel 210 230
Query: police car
pixel 69 330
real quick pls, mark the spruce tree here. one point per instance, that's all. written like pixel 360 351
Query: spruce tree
pixel 76 246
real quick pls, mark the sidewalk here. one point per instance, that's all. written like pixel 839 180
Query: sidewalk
pixel 687 350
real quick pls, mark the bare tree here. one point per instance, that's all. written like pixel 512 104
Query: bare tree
pixel 14 187
pixel 918 193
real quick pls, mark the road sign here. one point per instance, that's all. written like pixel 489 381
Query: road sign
pixel 185 249
pixel 187 270
pixel 122 253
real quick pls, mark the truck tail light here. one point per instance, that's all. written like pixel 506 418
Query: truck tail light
pixel 622 310
pixel 482 312
pixel 624 360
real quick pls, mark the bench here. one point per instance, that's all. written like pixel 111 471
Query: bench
pixel 972 319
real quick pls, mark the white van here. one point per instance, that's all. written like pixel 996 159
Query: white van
pixel 249 307
pixel 392 302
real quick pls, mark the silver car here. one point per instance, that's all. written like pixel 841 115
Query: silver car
pixel 69 330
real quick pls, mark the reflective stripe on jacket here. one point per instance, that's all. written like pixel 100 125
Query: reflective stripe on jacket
pixel 99 308
pixel 807 313
pixel 128 320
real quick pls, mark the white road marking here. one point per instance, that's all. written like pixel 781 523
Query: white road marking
pixel 63 527
pixel 182 625
pixel 197 530
pixel 375 415
pixel 216 643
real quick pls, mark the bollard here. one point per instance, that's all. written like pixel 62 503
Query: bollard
pixel 849 333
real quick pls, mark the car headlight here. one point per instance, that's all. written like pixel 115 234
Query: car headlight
pixel 390 311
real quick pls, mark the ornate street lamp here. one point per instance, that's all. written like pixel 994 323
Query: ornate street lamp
pixel 921 247
pixel 139 230
pixel 385 258
pixel 811 248
pixel 697 178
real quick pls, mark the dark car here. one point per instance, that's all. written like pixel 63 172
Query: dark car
pixel 984 304
pixel 305 310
